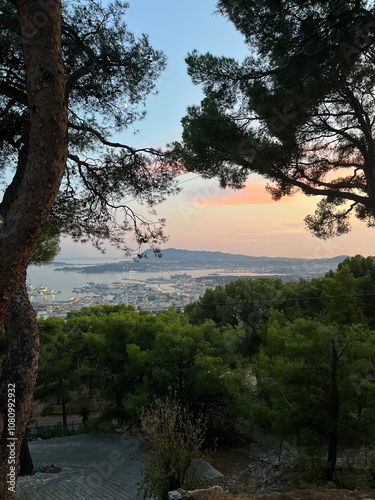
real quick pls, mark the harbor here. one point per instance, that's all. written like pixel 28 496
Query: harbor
pixel 152 294
pixel 144 291
pixel 41 291
pixel 178 279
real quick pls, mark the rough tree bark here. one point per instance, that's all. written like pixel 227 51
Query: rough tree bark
pixel 20 368
pixel 40 26
pixel 40 23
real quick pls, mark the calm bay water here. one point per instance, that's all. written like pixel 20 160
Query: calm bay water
pixel 65 281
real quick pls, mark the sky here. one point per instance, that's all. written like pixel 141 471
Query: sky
pixel 203 216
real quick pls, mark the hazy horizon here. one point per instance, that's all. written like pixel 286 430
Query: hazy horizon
pixel 108 257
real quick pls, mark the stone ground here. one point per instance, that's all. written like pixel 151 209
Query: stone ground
pixel 93 467
pixel 108 467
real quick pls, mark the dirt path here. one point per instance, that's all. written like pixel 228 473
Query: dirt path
pixel 308 494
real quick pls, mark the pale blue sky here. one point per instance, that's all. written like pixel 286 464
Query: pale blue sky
pixel 176 28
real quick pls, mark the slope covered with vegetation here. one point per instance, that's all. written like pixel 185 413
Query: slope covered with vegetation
pixel 295 358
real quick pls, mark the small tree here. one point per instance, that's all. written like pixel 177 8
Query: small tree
pixel 176 437
pixel 316 381
pixel 58 376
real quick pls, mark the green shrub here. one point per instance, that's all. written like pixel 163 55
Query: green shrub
pixel 176 438
pixel 97 424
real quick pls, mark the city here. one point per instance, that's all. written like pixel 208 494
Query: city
pixel 175 280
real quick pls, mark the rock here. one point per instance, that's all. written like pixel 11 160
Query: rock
pixel 200 470
pixel 174 495
pixel 192 493
pixel 331 485
pixel 51 469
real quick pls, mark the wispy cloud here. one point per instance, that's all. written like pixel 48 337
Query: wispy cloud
pixel 252 194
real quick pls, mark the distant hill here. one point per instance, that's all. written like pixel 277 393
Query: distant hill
pixel 173 259
pixel 175 254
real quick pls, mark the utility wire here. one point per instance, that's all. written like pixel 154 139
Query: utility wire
pixel 259 302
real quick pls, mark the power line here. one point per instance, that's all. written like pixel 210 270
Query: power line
pixel 259 302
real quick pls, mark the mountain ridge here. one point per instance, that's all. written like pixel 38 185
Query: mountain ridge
pixel 173 259
pixel 181 254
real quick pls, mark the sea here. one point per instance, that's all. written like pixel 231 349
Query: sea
pixel 64 281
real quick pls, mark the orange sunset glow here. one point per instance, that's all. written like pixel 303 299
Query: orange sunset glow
pixel 247 221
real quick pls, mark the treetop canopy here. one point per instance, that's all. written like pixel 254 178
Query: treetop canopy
pixel 299 110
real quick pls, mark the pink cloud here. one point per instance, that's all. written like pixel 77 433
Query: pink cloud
pixel 252 194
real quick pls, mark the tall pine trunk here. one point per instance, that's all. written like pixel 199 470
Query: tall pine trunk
pixel 19 372
pixel 26 460
pixel 335 413
pixel 65 427
pixel 40 28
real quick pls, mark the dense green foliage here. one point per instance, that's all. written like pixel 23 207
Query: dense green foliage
pixel 317 383
pixel 313 359
pixel 134 356
pixel 243 302
pixel 298 110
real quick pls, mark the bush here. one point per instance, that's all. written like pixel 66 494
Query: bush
pixel 176 438
pixel 47 410
pixel 97 424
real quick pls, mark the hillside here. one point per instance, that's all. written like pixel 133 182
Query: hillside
pixel 173 259
pixel 175 254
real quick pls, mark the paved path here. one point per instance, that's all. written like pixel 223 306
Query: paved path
pixel 93 467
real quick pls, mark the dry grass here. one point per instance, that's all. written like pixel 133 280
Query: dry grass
pixel 306 494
